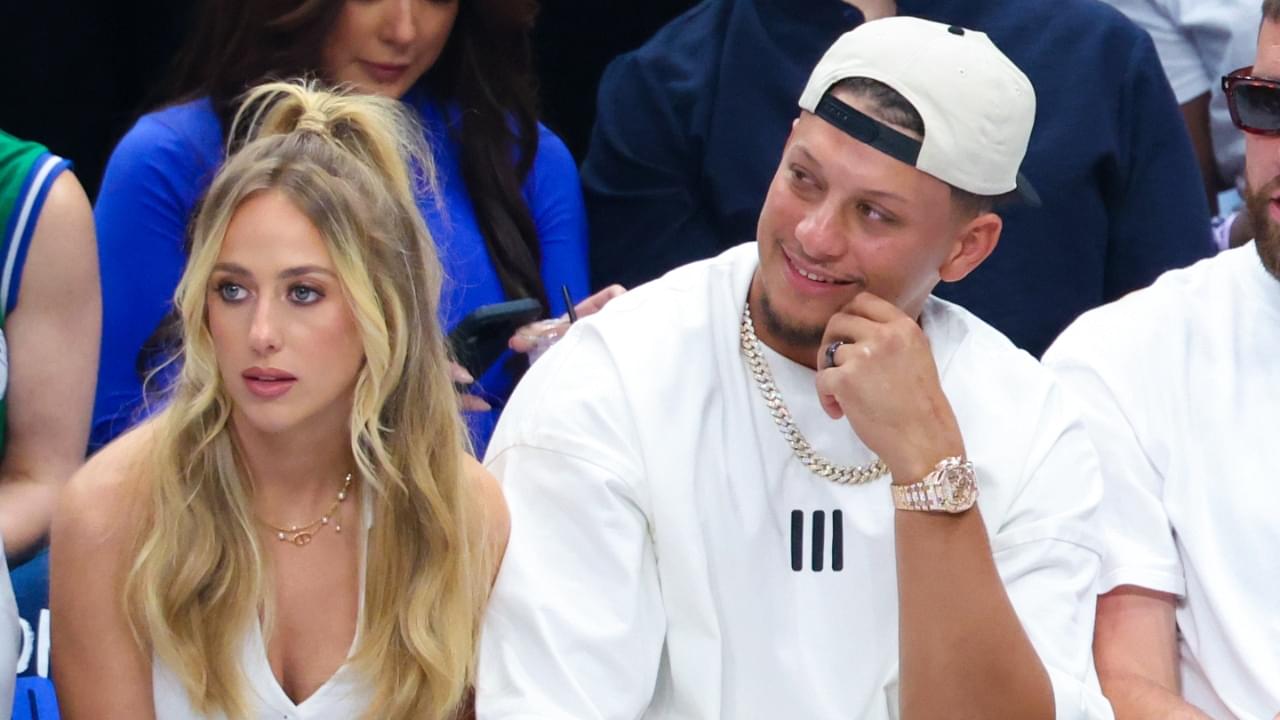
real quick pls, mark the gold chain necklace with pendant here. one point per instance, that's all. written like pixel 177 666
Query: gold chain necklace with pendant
pixel 302 534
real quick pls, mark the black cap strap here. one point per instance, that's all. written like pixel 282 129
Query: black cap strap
pixel 868 130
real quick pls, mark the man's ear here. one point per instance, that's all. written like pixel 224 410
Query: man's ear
pixel 973 244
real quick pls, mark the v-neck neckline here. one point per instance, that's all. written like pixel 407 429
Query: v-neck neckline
pixel 267 685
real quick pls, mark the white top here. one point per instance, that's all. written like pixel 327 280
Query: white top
pixel 344 696
pixel 1182 385
pixel 10 636
pixel 670 558
pixel 1199 41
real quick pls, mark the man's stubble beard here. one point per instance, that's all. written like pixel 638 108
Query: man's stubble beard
pixel 785 331
pixel 1266 232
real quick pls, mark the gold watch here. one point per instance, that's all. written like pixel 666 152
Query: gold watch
pixel 950 488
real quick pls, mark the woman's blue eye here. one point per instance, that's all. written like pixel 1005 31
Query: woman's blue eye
pixel 231 292
pixel 304 295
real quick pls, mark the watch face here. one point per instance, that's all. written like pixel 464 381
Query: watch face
pixel 957 489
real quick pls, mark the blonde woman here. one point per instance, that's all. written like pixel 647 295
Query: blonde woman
pixel 301 532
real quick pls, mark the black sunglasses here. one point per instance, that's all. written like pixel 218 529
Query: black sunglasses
pixel 1254 102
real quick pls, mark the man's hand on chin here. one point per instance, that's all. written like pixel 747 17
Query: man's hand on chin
pixel 885 382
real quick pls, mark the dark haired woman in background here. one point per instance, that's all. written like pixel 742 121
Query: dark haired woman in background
pixel 508 220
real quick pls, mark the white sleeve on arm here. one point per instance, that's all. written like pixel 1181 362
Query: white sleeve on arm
pixel 575 624
pixel 1139 546
pixel 1047 554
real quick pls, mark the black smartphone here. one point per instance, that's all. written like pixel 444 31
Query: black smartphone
pixel 481 337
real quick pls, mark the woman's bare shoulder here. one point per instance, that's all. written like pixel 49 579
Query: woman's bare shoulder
pixel 106 493
pixel 497 520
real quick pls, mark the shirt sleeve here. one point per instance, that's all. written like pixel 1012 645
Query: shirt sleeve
pixel 554 194
pixel 575 625
pixel 1159 216
pixel 1048 557
pixel 141 216
pixel 641 175
pixel 1140 548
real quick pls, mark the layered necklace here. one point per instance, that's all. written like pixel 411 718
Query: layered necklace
pixel 753 353
pixel 302 534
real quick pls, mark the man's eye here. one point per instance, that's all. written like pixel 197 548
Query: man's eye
pixel 871 212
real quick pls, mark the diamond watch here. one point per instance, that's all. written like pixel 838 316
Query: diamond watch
pixel 950 488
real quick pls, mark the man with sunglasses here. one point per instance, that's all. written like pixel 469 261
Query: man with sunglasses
pixel 1181 383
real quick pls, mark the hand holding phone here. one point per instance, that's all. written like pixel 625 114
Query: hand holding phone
pixel 481 337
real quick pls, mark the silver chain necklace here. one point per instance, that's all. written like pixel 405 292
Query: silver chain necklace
pixel 753 352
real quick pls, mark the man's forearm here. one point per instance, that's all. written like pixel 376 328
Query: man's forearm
pixel 964 652
pixel 1134 697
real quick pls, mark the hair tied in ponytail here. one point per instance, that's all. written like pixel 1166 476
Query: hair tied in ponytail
pixel 312 120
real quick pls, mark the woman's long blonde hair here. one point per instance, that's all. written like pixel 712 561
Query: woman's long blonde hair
pixel 351 164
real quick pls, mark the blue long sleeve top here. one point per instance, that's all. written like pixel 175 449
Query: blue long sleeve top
pixel 163 165
pixel 690 128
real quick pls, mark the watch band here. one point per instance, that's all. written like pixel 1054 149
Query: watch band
pixel 950 488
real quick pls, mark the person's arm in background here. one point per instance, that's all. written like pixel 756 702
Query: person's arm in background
pixel 1135 645
pixel 1188 50
pixel 555 200
pixel 642 173
pixel 52 340
pixel 1159 218
pixel 875 9
pixel 141 214
pixel 1195 113
pixel 555 203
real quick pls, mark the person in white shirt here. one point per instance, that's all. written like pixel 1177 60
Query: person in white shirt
pixel 700 525
pixel 1181 387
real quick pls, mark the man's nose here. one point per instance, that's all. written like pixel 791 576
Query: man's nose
pixel 821 234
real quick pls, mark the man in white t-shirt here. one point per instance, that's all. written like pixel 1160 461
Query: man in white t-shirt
pixel 1181 385
pixel 700 525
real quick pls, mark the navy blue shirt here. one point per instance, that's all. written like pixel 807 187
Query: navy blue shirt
pixel 690 129
pixel 164 164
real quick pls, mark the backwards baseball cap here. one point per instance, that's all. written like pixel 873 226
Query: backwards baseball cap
pixel 977 106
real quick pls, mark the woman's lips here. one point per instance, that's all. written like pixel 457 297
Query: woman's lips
pixel 268 384
pixel 384 72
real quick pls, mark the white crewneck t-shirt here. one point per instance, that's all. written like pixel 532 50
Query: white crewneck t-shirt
pixel 671 558
pixel 344 696
pixel 1181 386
